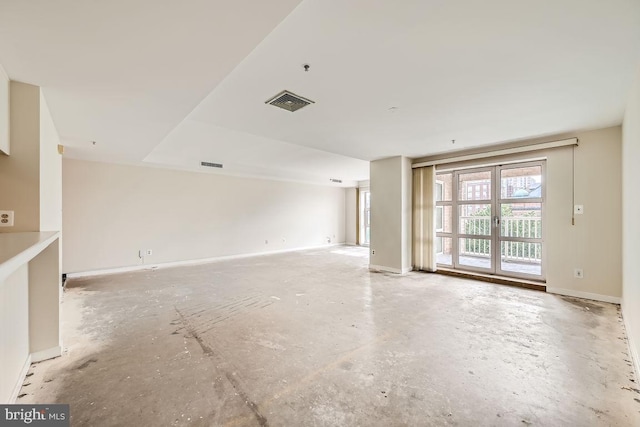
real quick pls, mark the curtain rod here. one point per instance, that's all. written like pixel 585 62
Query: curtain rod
pixel 515 150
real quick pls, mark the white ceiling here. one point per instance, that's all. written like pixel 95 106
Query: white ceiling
pixel 175 83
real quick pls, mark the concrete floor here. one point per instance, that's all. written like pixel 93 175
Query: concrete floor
pixel 313 338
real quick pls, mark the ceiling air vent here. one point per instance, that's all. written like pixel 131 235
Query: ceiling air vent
pixel 289 101
pixel 211 165
pixel 339 181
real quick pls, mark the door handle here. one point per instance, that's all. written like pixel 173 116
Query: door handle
pixel 496 221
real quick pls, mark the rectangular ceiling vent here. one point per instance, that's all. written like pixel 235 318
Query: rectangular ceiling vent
pixel 211 165
pixel 289 101
pixel 338 181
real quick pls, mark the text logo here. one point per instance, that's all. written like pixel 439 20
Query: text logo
pixel 35 415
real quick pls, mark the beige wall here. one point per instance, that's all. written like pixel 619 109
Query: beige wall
pixel 20 172
pixel 630 221
pixel 4 112
pixel 594 242
pixel 44 308
pixel 390 181
pixel 112 211
pixel 31 177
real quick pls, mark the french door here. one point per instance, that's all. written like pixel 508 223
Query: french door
pixel 489 219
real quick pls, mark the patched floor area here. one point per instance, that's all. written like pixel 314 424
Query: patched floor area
pixel 314 338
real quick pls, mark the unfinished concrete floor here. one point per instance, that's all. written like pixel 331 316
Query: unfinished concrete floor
pixel 314 338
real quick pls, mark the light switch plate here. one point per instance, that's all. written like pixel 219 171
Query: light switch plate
pixel 6 218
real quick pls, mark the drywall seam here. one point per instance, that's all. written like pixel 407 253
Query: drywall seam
pixel 184 263
pixel 585 295
pixel 21 378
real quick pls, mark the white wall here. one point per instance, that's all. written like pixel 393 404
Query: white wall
pixel 112 211
pixel 50 172
pixel 14 331
pixel 351 213
pixel 4 111
pixel 631 221
pixel 390 246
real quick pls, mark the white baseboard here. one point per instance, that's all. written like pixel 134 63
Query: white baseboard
pixel 585 295
pixel 49 353
pixel 390 269
pixel 170 264
pixel 633 349
pixel 21 378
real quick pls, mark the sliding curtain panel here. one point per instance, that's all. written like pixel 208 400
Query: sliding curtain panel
pixel 424 224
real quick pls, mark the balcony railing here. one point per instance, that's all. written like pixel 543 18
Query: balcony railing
pixel 520 227
pixel 527 227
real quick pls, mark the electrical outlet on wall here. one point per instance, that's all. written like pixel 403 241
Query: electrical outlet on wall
pixel 578 273
pixel 6 218
pixel 373 251
pixel 149 252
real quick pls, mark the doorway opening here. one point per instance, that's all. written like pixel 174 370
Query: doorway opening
pixel 490 220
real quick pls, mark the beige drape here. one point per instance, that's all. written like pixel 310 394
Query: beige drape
pixel 424 226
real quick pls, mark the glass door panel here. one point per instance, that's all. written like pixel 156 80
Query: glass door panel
pixel 474 185
pixel 521 182
pixel 444 254
pixel 444 219
pixel 475 253
pixel 474 222
pixel 521 220
pixel 475 219
pixel 521 228
pixel 521 258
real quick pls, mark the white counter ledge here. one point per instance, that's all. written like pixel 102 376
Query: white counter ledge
pixel 29 305
pixel 17 249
